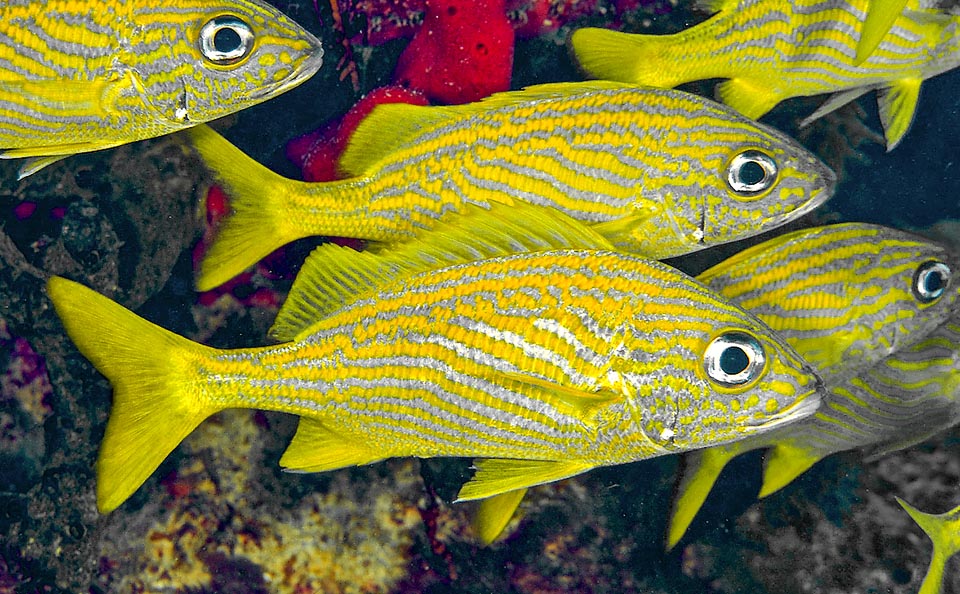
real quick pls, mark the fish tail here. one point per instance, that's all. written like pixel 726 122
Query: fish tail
pixel 624 57
pixel 944 531
pixel 156 403
pixel 700 472
pixel 259 219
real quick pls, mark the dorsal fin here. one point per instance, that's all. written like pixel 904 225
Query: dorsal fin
pixel 392 125
pixel 333 276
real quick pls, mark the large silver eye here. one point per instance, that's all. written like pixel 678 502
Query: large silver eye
pixel 751 172
pixel 930 281
pixel 733 359
pixel 225 40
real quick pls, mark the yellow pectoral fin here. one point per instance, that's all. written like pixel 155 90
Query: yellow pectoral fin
pixel 881 15
pixel 494 513
pixel 700 471
pixel 315 448
pixel 785 462
pixel 897 104
pixel 581 404
pixel 748 98
pixel 496 476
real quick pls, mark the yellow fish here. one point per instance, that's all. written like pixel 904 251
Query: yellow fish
pixel 772 50
pixel 658 173
pixel 944 531
pixel 848 297
pixel 543 365
pixel 81 75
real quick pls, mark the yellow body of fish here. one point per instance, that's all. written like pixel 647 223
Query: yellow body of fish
pixel 849 298
pixel 771 50
pixel 542 364
pixel 80 75
pixel 658 173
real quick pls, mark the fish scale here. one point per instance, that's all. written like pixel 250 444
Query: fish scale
pixel 606 366
pixel 847 297
pixel 647 168
pixel 772 50
pixel 79 75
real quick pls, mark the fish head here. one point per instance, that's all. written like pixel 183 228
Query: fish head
pixel 218 58
pixel 761 182
pixel 845 296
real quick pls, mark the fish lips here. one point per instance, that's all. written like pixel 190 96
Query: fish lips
pixel 307 69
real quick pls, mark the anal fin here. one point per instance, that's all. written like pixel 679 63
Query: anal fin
pixel 494 513
pixel 897 103
pixel 315 448
pixel 495 476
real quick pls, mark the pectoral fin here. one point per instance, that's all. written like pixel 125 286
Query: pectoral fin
pixel 897 104
pixel 749 99
pixel 496 476
pixel 880 18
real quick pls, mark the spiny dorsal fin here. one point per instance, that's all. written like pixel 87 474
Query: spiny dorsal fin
pixel 393 125
pixel 333 277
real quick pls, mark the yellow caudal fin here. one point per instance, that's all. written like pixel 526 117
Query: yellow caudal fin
pixel 944 531
pixel 258 221
pixel 881 15
pixel 897 104
pixel 152 371
pixel 700 471
pixel 625 57
pixel 783 463
pixel 494 513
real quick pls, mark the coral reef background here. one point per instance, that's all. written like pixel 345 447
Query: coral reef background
pixel 219 516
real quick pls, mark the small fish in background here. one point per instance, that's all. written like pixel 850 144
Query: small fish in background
pixel 851 299
pixel 541 364
pixel 80 75
pixel 772 50
pixel 944 531
pixel 658 173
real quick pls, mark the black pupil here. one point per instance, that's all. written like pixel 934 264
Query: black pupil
pixel 734 360
pixel 933 282
pixel 752 173
pixel 226 40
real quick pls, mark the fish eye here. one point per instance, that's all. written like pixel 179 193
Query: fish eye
pixel 733 359
pixel 930 281
pixel 751 172
pixel 225 40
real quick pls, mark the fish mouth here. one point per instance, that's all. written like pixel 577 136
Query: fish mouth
pixel 805 406
pixel 311 64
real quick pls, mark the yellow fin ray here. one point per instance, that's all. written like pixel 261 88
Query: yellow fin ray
pixel 314 448
pixel 750 100
pixel 392 125
pixel 881 15
pixel 700 472
pixel 494 513
pixel 255 226
pixel 495 476
pixel 155 403
pixel 784 462
pixel 944 532
pixel 898 103
pixel 332 276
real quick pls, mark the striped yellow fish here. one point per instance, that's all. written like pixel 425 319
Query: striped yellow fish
pixel 542 364
pixel 771 50
pixel 658 173
pixel 944 531
pixel 845 296
pixel 82 75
